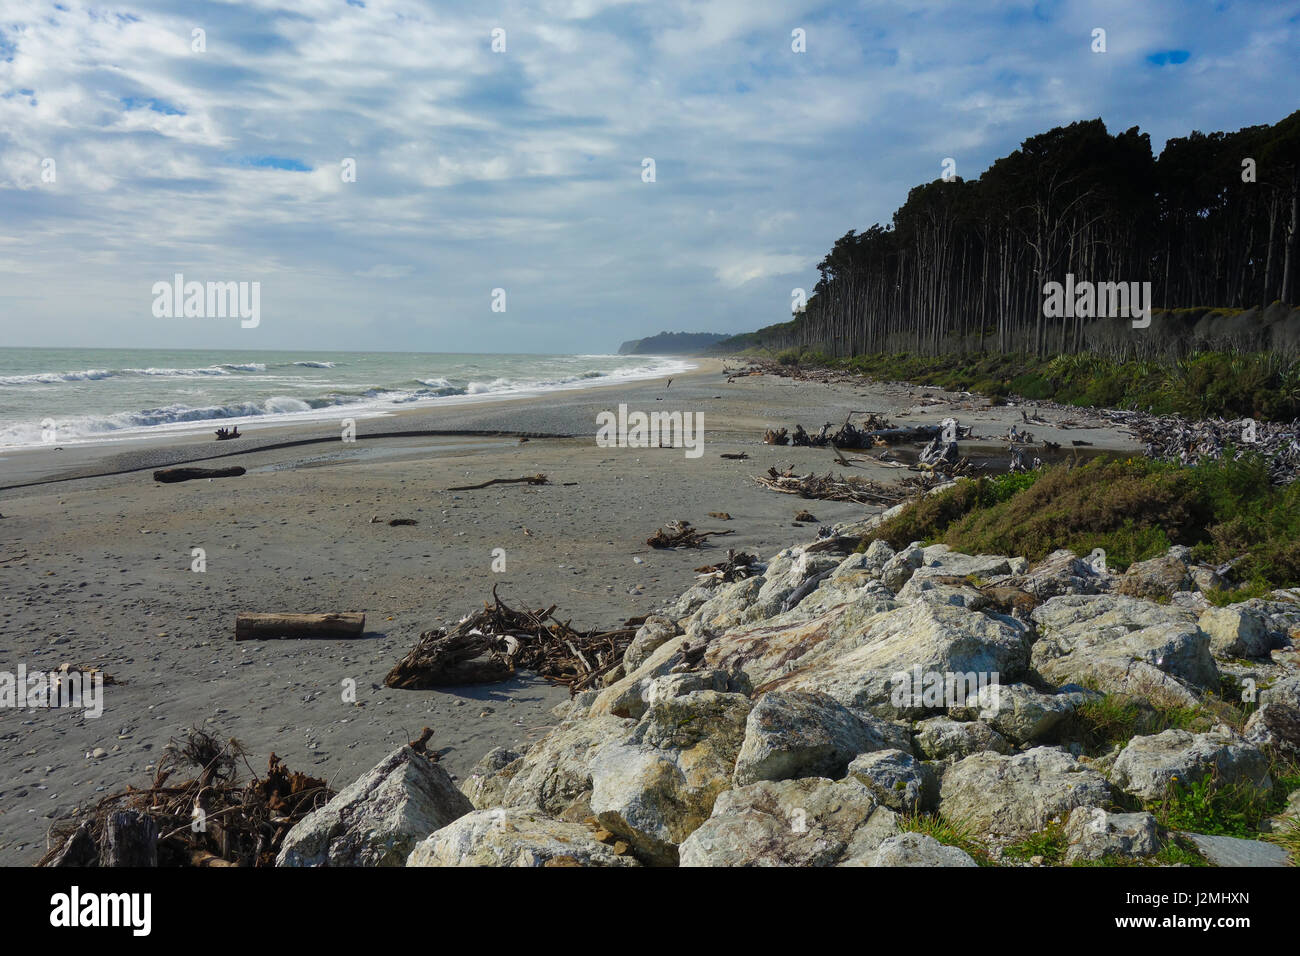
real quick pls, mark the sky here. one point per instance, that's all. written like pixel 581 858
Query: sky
pixel 143 139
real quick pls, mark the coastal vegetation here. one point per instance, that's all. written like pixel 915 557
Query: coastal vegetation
pixel 1260 385
pixel 1134 509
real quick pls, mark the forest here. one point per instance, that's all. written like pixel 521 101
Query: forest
pixel 1211 223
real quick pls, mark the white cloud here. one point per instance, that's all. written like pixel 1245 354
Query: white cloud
pixel 473 165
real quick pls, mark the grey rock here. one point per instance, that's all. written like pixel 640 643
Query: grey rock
pixel 1234 851
pixel 919 849
pixel 487 781
pixel 1023 714
pixel 808 822
pixel 1123 645
pixel 1012 797
pixel 501 837
pixel 555 774
pixel 649 636
pixel 897 780
pixel 378 819
pixel 939 738
pixel 1061 572
pixel 656 786
pixel 692 600
pixel 1148 765
pixel 807 734
pixel 899 569
pixel 874 666
pixel 1093 833
pixel 1236 631
pixel 1159 577
pixel 1276 723
pixel 939 559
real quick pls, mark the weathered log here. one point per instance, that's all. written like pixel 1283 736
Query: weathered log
pixel 170 475
pixel 836 544
pixel 130 839
pixel 439 659
pixel 526 480
pixel 265 627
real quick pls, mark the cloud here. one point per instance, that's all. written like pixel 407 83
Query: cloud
pixel 476 170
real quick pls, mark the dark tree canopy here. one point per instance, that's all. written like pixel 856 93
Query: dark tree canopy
pixel 964 262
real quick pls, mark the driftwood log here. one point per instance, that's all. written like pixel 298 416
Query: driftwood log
pixel 130 839
pixel 170 475
pixel 265 627
pixel 526 480
pixel 843 488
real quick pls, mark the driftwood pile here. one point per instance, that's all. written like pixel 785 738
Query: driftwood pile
pixel 210 820
pixel 829 488
pixel 681 534
pixel 873 433
pixel 490 644
pixel 1174 438
pixel 737 567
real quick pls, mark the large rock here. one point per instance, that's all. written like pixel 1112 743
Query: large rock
pixel 897 780
pixel 1023 714
pixel 786 574
pixel 1012 797
pixel 791 640
pixel 501 837
pixel 940 589
pixel 918 849
pixel 626 696
pixel 652 634
pixel 864 566
pixel 899 569
pixel 731 605
pixel 379 818
pixel 1124 645
pixel 555 774
pixel 1276 723
pixel 657 786
pixel 1148 765
pixel 867 660
pixel 1280 615
pixel 1061 572
pixel 799 734
pixel 939 738
pixel 808 822
pixel 692 600
pixel 1159 577
pixel 486 784
pixel 939 559
pixel 1092 833
pixel 1236 631
pixel 647 691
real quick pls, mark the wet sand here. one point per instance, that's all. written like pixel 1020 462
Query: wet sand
pixel 96 567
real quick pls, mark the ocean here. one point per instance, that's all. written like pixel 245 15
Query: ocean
pixel 95 395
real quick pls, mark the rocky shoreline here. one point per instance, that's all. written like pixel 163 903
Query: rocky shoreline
pixel 764 722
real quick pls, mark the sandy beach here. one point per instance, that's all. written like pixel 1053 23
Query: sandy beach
pixel 96 567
